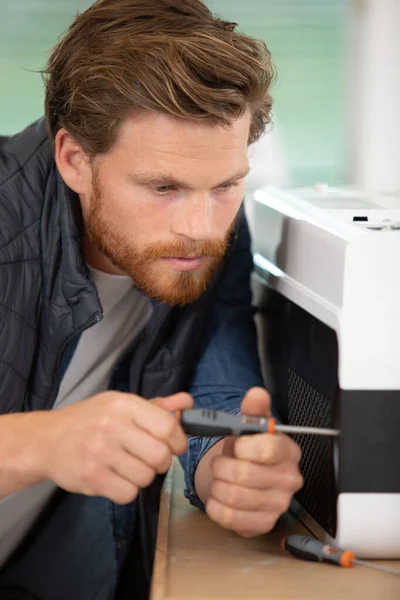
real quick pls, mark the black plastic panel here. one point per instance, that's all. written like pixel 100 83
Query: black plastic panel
pixel 370 441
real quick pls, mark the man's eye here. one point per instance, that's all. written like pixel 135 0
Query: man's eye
pixel 162 189
pixel 227 186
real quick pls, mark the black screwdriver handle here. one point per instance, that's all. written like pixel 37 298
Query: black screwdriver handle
pixel 308 548
pixel 210 423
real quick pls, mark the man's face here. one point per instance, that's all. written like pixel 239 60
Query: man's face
pixel 164 199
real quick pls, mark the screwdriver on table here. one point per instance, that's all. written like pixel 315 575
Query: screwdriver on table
pixel 210 423
pixel 308 548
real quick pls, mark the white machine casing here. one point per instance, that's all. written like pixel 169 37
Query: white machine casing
pixel 327 285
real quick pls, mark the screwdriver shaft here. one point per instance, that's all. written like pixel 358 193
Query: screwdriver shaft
pixel 365 563
pixel 306 430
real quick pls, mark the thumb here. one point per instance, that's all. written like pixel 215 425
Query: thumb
pixel 180 401
pixel 256 403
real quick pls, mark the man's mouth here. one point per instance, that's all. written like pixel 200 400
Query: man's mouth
pixel 190 263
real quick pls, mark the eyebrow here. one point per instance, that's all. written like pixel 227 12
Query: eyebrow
pixel 165 179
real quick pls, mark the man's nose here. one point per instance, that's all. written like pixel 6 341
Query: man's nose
pixel 194 217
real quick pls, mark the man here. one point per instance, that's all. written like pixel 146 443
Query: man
pixel 124 265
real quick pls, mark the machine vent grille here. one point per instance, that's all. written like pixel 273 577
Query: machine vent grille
pixel 307 406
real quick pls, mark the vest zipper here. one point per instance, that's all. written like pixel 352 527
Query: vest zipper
pixel 96 318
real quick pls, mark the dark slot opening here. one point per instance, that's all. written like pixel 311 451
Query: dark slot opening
pixel 360 218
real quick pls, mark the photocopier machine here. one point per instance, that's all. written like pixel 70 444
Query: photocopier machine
pixel 326 282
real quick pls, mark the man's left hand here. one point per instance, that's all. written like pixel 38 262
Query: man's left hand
pixel 255 477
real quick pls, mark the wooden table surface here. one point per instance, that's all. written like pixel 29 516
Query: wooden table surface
pixel 198 560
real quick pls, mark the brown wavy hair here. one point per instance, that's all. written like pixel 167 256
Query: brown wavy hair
pixel 169 56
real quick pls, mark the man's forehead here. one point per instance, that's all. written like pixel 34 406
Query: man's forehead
pixel 166 134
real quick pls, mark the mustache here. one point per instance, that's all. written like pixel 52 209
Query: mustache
pixel 182 249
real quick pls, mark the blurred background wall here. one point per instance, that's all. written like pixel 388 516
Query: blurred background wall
pixel 307 39
pixel 334 101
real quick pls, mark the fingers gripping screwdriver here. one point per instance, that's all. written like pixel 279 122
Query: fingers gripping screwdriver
pixel 210 423
pixel 308 548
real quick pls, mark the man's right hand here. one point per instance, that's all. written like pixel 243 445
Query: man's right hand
pixel 111 444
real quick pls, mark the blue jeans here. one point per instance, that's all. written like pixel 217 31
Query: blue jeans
pixel 72 555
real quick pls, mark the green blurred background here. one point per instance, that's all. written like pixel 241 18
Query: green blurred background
pixel 307 39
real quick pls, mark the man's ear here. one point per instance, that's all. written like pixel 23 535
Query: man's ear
pixel 73 163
